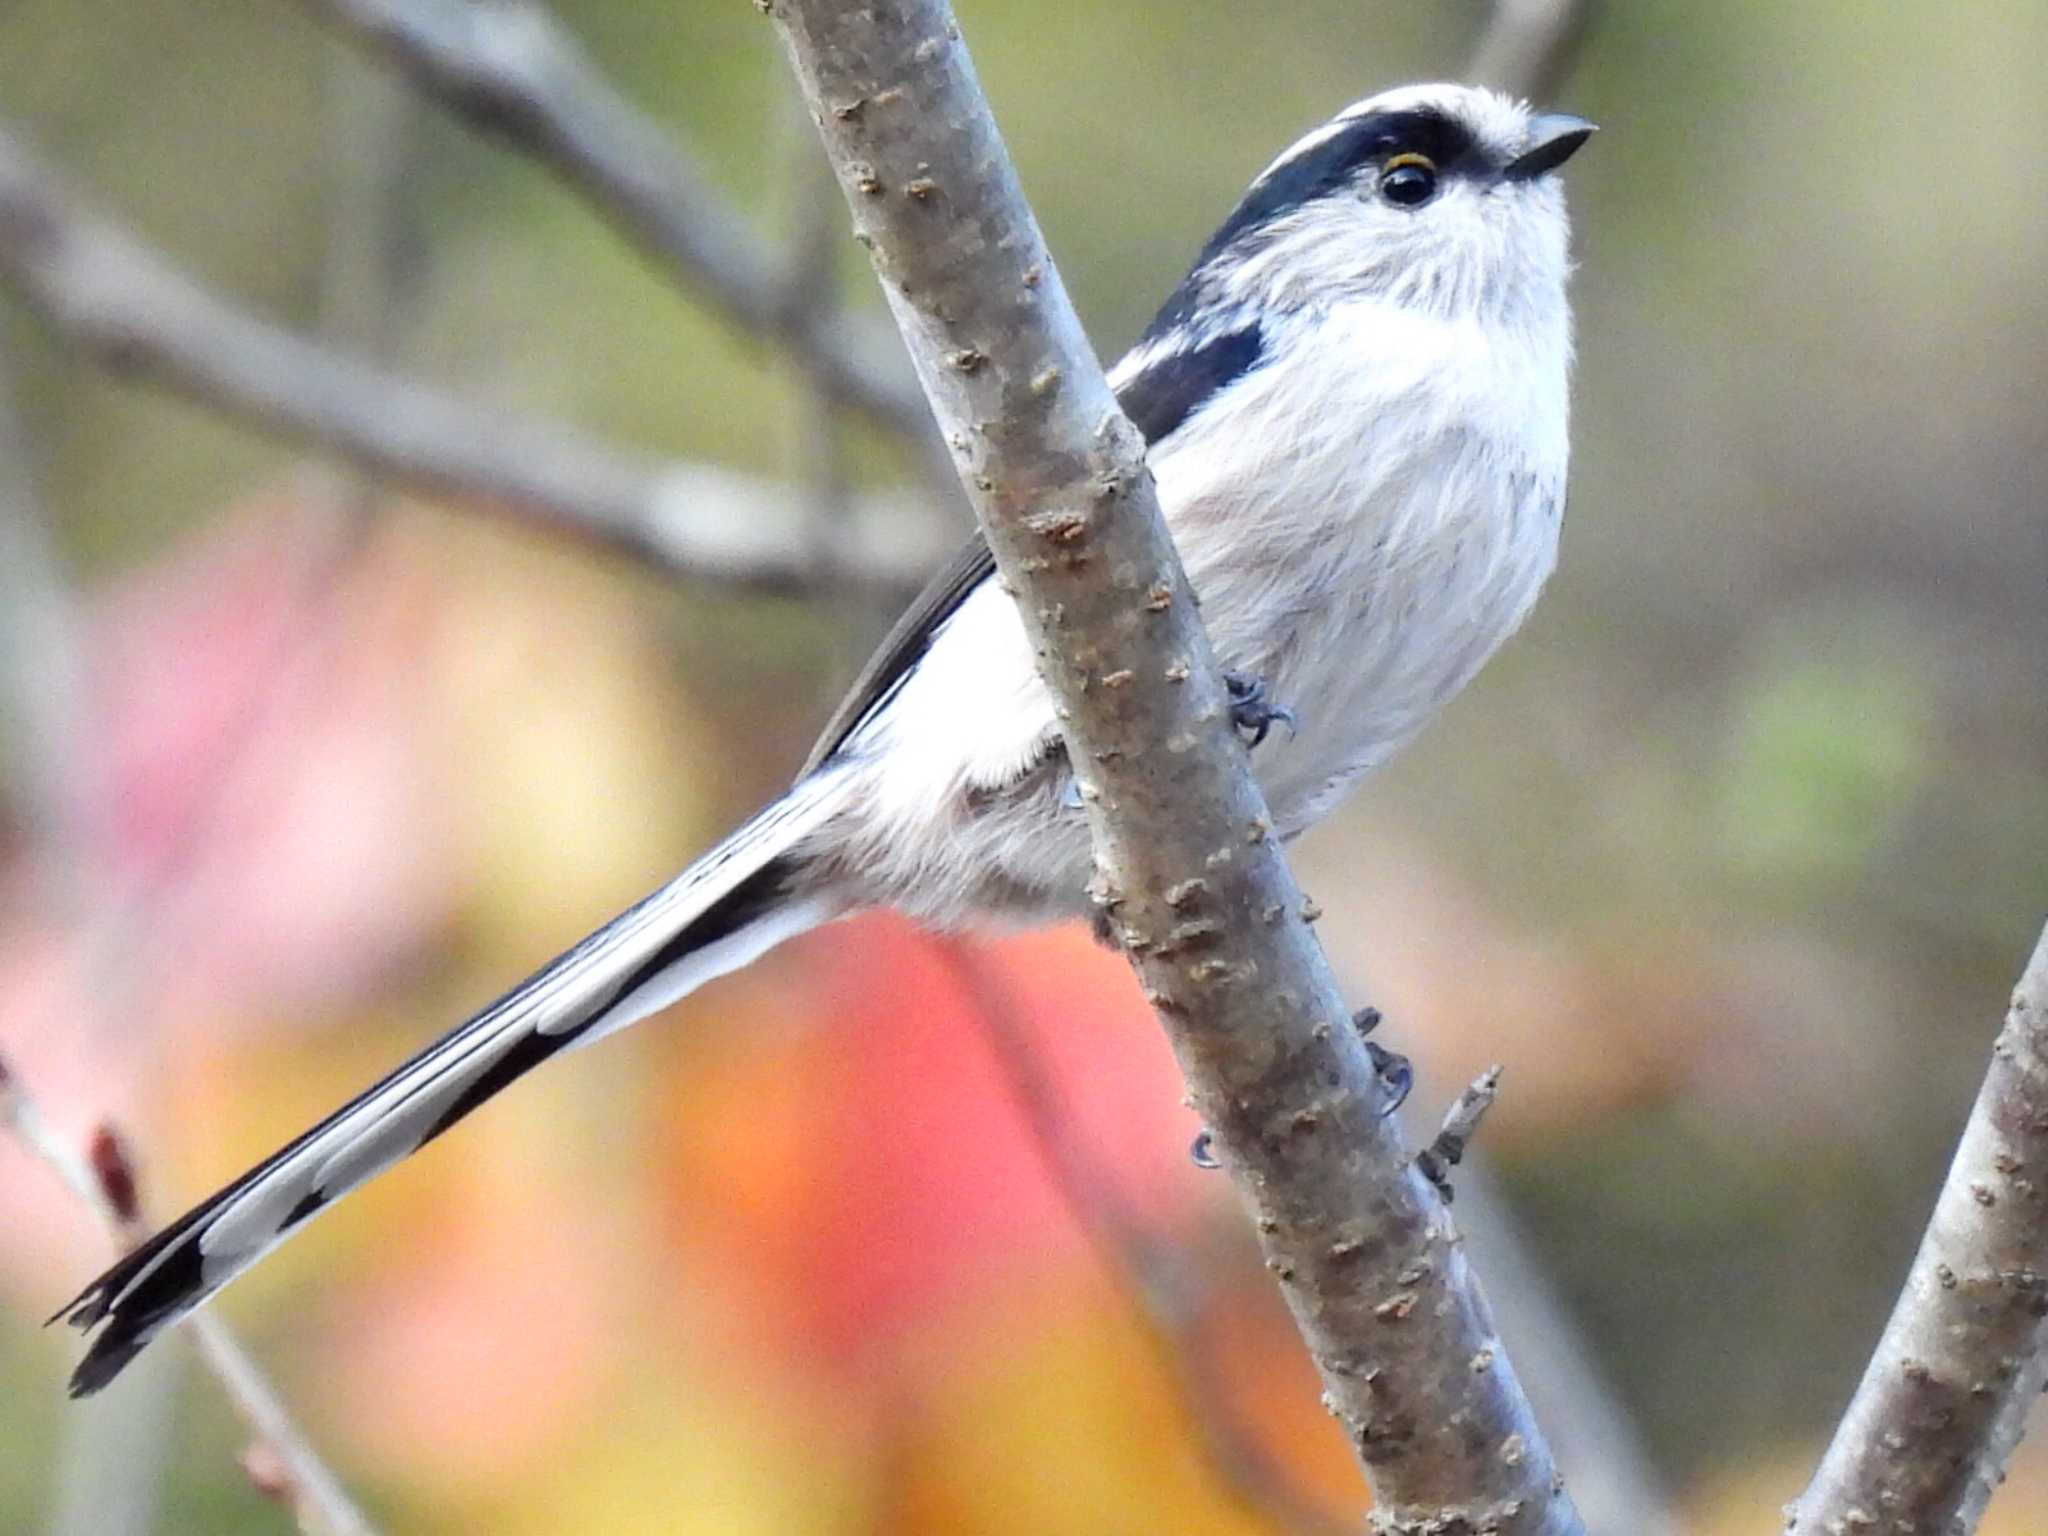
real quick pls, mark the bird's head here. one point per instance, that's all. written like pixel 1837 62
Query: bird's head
pixel 1442 197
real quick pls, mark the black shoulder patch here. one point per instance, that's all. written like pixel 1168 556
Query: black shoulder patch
pixel 1170 388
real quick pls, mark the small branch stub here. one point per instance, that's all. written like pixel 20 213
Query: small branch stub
pixel 1461 1124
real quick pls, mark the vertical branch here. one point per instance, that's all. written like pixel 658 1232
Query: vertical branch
pixel 1188 870
pixel 814 446
pixel 370 266
pixel 1529 45
pixel 42 683
pixel 1945 1398
pixel 817 221
pixel 372 256
pixel 108 1476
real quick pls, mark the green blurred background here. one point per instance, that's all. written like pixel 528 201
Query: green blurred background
pixel 1731 859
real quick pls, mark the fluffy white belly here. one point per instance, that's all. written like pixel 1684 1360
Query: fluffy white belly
pixel 1367 578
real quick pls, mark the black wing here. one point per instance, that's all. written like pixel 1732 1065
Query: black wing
pixel 904 646
pixel 1158 398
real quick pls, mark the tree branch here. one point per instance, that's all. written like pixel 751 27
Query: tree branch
pixel 509 69
pixel 1188 869
pixel 1529 45
pixel 129 310
pixel 1944 1400
pixel 284 1463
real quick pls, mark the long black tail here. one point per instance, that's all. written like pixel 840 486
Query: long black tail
pixel 722 912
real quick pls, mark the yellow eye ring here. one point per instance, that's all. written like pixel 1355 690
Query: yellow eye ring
pixel 1408 180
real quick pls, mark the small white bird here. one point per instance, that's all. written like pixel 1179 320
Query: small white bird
pixel 1355 408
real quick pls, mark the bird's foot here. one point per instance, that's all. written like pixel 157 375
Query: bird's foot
pixel 1252 711
pixel 1397 1080
pixel 1396 1073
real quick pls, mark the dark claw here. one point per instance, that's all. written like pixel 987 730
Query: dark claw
pixel 1437 1168
pixel 1251 711
pixel 1202 1151
pixel 1432 1168
pixel 1396 1074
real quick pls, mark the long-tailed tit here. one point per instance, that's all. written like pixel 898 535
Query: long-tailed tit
pixel 1355 405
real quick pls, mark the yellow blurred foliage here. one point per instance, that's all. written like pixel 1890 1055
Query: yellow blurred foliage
pixel 1057 1416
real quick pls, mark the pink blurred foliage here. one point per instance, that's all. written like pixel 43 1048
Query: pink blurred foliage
pixel 875 1179
pixel 849 1193
pixel 266 796
pixel 248 721
pixel 46 1229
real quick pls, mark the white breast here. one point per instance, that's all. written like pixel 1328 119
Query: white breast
pixel 1367 525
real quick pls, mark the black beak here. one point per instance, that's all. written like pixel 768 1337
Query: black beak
pixel 1554 138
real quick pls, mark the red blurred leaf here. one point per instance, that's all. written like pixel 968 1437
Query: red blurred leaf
pixel 874 1174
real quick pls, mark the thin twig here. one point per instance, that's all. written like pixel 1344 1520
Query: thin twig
pixel 373 261
pixel 1529 45
pixel 103 1179
pixel 508 68
pixel 1162 1292
pixel 129 310
pixel 1945 1398
pixel 42 689
pixel 1188 871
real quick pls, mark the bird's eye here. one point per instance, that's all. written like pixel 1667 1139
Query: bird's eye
pixel 1408 180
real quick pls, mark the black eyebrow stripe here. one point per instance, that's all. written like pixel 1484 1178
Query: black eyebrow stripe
pixel 1329 163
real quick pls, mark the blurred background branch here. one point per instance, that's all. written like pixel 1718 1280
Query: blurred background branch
pixel 373 261
pixel 123 306
pixel 510 69
pixel 1528 46
pixel 43 694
